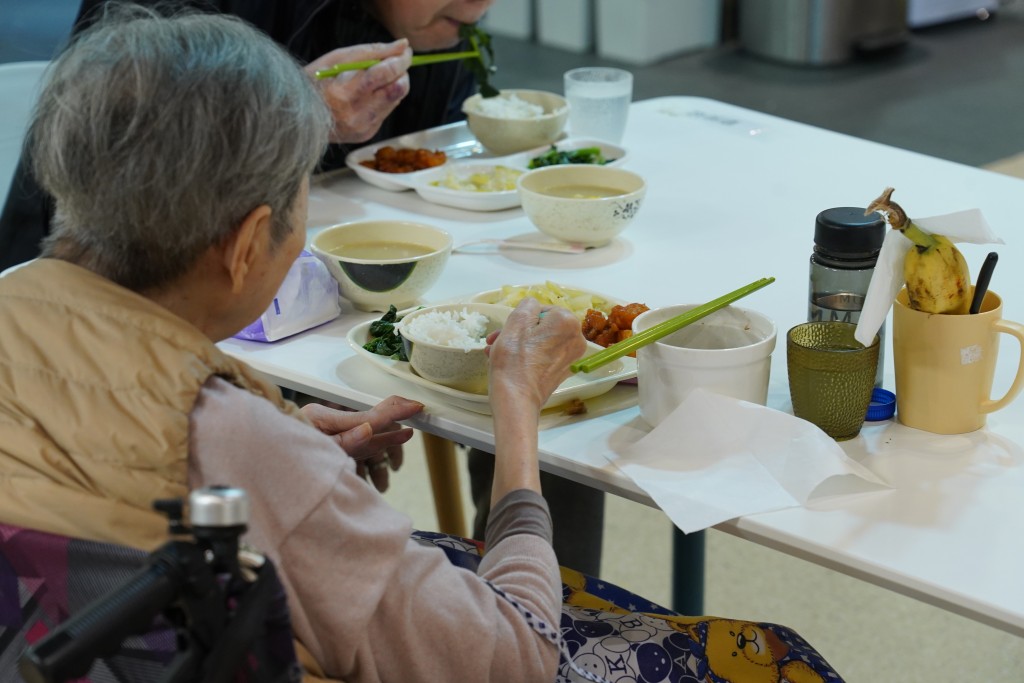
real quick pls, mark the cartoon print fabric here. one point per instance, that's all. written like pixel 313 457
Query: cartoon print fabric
pixel 620 637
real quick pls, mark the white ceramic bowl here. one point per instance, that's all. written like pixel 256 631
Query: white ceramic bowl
pixel 509 135
pixel 454 367
pixel 556 199
pixel 393 275
pixel 728 352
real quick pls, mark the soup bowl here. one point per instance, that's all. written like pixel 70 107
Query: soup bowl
pixel 581 204
pixel 503 129
pixel 383 263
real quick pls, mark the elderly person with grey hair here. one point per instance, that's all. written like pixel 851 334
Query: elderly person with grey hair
pixel 178 150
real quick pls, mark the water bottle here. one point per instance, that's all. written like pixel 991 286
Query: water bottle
pixel 846 246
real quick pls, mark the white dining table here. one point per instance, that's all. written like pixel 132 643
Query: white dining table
pixel 732 197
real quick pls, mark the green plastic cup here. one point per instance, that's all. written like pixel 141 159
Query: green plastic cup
pixel 831 376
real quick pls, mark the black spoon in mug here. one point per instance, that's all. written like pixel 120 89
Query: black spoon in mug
pixel 984 276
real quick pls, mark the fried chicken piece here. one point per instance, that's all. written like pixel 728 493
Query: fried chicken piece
pixel 388 159
pixel 606 338
pixel 616 327
pixel 622 316
pixel 594 323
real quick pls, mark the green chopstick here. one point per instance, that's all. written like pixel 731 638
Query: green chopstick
pixel 417 60
pixel 664 328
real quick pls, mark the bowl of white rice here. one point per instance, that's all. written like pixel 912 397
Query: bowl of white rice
pixel 516 120
pixel 446 343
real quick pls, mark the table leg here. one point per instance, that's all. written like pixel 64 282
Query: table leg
pixel 688 572
pixel 444 482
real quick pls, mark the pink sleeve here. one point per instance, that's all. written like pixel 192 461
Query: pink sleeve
pixel 369 602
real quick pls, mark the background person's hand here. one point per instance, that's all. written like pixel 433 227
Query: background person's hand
pixel 373 438
pixel 530 357
pixel 360 100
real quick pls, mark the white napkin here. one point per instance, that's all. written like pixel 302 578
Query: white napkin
pixel 887 279
pixel 715 458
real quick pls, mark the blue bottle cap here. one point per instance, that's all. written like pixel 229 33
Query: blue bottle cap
pixel 882 406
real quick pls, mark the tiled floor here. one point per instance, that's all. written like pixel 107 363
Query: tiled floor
pixel 956 92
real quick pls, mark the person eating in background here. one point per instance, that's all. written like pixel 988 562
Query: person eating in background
pixel 380 102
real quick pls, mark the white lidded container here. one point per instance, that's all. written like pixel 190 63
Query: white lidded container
pixel 727 352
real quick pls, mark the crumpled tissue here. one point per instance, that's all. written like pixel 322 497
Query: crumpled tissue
pixel 715 458
pixel 307 297
pixel 887 278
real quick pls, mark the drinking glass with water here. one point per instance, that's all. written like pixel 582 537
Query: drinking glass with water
pixel 599 100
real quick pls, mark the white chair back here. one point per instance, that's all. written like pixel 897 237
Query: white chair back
pixel 20 83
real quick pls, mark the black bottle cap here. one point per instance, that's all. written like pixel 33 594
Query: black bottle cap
pixel 845 231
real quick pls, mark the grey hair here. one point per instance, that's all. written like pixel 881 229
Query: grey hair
pixel 157 135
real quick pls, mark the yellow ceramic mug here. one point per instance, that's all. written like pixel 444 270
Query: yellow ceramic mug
pixel 945 365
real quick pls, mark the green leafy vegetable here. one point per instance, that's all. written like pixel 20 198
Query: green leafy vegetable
pixel 384 340
pixel 483 66
pixel 556 157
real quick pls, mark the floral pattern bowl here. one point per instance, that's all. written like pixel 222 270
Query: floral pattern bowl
pixel 581 204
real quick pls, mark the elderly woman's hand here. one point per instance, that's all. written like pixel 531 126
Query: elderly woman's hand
pixel 360 100
pixel 530 357
pixel 373 438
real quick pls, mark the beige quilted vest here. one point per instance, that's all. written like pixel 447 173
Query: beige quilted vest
pixel 96 385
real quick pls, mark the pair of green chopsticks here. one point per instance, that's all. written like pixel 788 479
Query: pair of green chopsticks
pixel 417 60
pixel 666 327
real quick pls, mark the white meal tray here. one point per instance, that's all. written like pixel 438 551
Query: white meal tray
pixel 465 155
pixel 582 386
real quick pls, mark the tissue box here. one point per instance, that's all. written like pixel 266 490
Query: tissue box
pixel 308 297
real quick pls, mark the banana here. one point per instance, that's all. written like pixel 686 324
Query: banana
pixel 937 277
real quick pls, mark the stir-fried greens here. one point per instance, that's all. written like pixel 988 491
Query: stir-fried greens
pixel 555 157
pixel 384 340
pixel 482 66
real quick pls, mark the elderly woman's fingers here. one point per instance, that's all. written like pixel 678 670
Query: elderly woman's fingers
pixel 381 444
pixel 377 472
pixel 531 355
pixel 381 417
pixel 396 456
pixel 369 435
pixel 360 100
pixel 393 409
pixel 358 118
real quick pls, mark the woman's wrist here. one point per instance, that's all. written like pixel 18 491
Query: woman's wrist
pixel 515 437
pixel 509 395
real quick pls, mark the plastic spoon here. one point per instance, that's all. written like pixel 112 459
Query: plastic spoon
pixel 561 247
